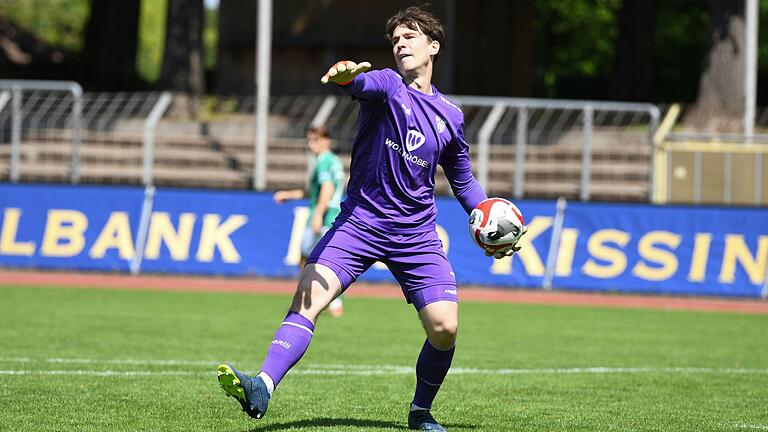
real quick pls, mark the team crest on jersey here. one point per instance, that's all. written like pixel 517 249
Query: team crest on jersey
pixel 440 124
pixel 414 140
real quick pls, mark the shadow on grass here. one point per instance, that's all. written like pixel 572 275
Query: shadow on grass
pixel 345 422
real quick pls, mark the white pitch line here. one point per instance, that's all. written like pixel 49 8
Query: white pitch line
pixel 607 370
pixel 404 370
pixel 752 427
pixel 342 369
pixel 133 362
pixel 345 367
pixel 103 373
pixel 15 359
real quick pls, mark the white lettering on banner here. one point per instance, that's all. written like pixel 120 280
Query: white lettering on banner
pixel 595 253
pixel 607 257
pixel 9 244
pixel 64 236
pixel 406 155
pixel 116 234
pixel 215 235
pixel 293 255
pixel 177 240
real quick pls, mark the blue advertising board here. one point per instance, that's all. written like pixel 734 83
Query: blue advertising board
pixel 219 232
pixel 664 249
pixel 602 247
pixel 64 227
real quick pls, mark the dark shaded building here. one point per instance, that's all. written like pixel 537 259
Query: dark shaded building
pixel 487 50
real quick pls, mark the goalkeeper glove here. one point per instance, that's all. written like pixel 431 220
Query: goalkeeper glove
pixel 344 72
pixel 510 250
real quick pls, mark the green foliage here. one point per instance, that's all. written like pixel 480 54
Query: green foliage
pixel 59 22
pixel 215 107
pixel 149 58
pixel 577 39
pixel 679 48
pixel 581 36
pixel 210 38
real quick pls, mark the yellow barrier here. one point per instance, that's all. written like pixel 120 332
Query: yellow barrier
pixel 660 161
pixel 732 186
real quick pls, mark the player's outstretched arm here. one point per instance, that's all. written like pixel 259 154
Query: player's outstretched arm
pixel 286 195
pixel 344 72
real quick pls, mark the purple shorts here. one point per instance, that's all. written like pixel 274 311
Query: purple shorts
pixel 416 260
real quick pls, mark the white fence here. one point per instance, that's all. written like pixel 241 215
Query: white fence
pixel 525 148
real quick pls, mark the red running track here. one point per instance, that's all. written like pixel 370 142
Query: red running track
pixel 199 283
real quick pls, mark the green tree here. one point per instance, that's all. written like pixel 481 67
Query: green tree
pixel 679 47
pixel 58 22
pixel 151 38
pixel 719 105
pixel 633 59
pixel 152 26
pixel 576 45
pixel 109 54
pixel 182 68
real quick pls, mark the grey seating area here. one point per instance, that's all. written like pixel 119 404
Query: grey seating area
pixel 181 161
pixel 218 151
pixel 619 172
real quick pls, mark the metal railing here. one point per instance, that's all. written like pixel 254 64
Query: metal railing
pixel 546 148
pixel 39 110
pixel 51 131
pixel 536 118
pixel 150 124
pixel 525 148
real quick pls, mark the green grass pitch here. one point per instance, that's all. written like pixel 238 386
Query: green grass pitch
pixel 111 360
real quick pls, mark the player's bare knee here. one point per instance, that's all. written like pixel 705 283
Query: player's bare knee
pixel 443 333
pixel 315 290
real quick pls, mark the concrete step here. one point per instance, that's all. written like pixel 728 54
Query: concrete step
pixel 121 174
pixel 53 152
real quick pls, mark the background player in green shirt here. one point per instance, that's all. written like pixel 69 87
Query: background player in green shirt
pixel 326 185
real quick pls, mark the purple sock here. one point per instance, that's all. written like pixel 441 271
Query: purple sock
pixel 431 369
pixel 290 343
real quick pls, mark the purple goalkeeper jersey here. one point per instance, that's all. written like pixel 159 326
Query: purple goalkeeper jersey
pixel 403 135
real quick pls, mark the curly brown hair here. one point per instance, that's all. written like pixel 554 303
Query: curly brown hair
pixel 416 18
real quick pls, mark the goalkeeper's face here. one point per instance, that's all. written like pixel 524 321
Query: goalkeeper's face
pixel 413 50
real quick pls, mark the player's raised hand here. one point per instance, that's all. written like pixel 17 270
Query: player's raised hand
pixel 510 250
pixel 344 71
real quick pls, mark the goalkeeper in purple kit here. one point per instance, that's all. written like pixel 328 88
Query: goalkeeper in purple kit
pixel 406 128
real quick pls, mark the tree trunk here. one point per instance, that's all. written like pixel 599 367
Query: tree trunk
pixel 719 106
pixel 236 47
pixel 633 60
pixel 109 54
pixel 182 70
pixel 510 73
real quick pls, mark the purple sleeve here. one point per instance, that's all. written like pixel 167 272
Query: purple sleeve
pixel 458 170
pixel 371 85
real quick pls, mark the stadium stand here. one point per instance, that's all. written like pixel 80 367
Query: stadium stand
pixel 217 149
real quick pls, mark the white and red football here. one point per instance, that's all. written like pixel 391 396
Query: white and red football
pixel 496 224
